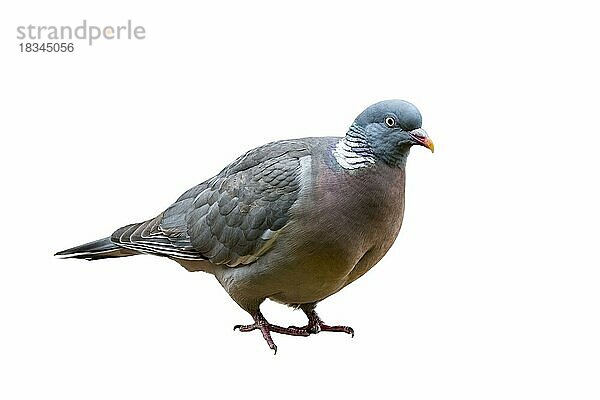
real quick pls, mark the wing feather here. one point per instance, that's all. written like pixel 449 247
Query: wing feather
pixel 231 219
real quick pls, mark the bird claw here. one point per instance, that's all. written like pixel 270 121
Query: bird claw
pixel 245 328
pixel 315 325
pixel 338 328
pixel 265 328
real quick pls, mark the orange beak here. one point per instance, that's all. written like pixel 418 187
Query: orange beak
pixel 421 138
pixel 429 144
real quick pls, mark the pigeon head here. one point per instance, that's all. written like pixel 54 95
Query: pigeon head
pixel 390 128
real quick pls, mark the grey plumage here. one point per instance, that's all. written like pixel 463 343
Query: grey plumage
pixel 294 221
pixel 96 250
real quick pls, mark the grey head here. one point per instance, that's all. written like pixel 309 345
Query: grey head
pixel 388 130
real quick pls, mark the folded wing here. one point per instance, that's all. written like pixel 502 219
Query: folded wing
pixel 231 219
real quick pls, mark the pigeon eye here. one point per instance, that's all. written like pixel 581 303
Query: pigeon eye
pixel 389 121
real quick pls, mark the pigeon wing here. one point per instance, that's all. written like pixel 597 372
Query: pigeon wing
pixel 232 218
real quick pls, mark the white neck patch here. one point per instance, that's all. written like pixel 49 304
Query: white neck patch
pixel 347 158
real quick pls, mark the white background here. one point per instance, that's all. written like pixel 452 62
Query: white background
pixel 490 292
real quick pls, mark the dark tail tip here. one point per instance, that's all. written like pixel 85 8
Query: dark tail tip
pixel 103 248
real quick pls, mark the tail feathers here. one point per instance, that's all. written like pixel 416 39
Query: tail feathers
pixel 103 248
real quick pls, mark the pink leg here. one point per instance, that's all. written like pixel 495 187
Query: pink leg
pixel 316 325
pixel 266 328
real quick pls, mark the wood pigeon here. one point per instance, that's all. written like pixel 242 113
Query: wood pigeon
pixel 294 221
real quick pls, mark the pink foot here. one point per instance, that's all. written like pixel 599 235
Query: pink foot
pixel 266 328
pixel 315 325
